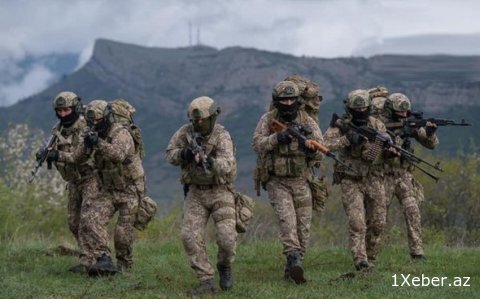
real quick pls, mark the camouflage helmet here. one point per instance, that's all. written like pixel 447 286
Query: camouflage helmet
pixel 202 107
pixel 358 98
pixel 378 92
pixel 95 110
pixel 285 89
pixel 400 102
pixel 66 99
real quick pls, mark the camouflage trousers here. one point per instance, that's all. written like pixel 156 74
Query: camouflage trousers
pixel 365 203
pixel 198 206
pixel 291 200
pixel 96 214
pixel 76 192
pixel 400 185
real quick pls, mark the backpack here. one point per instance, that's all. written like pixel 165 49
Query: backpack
pixel 122 112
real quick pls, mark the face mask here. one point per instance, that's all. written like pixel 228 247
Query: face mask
pixel 287 112
pixel 101 127
pixel 397 117
pixel 68 120
pixel 359 118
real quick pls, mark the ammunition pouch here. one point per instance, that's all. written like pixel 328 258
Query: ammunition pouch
pixel 319 189
pixel 147 209
pixel 243 211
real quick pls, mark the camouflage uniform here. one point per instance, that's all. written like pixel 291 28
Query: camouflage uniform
pixel 285 168
pixel 208 193
pixel 120 172
pixel 287 186
pixel 363 193
pixel 399 178
pixel 79 175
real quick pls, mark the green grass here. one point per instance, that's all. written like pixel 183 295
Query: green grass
pixel 161 271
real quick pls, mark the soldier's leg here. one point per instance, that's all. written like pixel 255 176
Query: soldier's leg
pixel 411 211
pixel 127 204
pixel 223 214
pixel 376 207
pixel 353 203
pixel 281 200
pixel 195 217
pixel 302 200
pixel 96 213
pixel 74 209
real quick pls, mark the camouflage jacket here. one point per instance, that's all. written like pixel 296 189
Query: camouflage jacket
pixel 70 139
pixel 356 155
pixel 395 130
pixel 285 160
pixel 218 147
pixel 116 159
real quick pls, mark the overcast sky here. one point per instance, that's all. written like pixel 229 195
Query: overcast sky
pixel 302 27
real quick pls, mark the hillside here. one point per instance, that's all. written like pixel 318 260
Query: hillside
pixel 161 82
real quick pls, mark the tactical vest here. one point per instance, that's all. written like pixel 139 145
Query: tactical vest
pixel 68 140
pixel 395 130
pixel 364 161
pixel 288 160
pixel 118 175
pixel 192 173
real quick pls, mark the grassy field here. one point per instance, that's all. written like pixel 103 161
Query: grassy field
pixel 32 269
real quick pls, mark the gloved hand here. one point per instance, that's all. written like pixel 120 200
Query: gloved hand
pixel 354 138
pixel 211 162
pixel 187 154
pixel 40 153
pixel 430 130
pixel 284 138
pixel 91 139
pixel 52 156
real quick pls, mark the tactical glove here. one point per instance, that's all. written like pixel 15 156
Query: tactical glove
pixel 40 153
pixel 52 156
pixel 187 154
pixel 430 130
pixel 91 139
pixel 284 138
pixel 354 138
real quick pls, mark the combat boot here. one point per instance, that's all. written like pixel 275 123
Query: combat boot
pixel 78 269
pixel 205 287
pixel 293 268
pixel 418 257
pixel 362 265
pixel 226 277
pixel 103 266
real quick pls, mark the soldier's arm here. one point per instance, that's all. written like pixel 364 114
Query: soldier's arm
pixel 334 140
pixel 77 154
pixel 263 141
pixel 174 149
pixel 121 146
pixel 429 142
pixel 224 160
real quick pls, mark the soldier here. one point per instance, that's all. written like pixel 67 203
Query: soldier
pixel 363 193
pixel 399 177
pixel 285 164
pixel 309 93
pixel 119 168
pixel 205 153
pixel 79 175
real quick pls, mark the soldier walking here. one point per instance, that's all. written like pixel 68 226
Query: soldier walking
pixel 285 168
pixel 205 152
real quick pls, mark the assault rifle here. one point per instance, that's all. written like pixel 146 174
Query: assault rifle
pixel 198 148
pixel 42 156
pixel 416 120
pixel 295 131
pixel 386 142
